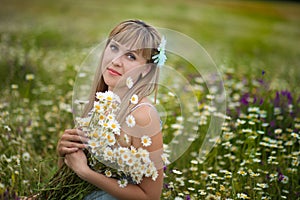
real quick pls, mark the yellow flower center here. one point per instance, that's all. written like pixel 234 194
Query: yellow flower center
pixel 109 98
pixel 95 134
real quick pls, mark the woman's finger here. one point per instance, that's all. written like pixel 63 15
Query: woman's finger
pixel 75 132
pixel 74 138
pixel 66 151
pixel 66 147
pixel 69 144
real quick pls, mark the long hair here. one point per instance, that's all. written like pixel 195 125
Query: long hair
pixel 143 38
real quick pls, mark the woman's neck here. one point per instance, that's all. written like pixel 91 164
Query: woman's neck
pixel 120 91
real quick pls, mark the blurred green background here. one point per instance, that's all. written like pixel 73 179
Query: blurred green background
pixel 246 36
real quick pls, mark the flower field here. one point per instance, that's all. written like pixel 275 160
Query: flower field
pixel 258 153
pixel 257 156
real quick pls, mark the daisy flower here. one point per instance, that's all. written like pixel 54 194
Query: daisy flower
pixel 111 140
pixel 97 106
pixel 165 159
pixel 146 141
pixel 105 125
pixel 137 155
pixel 93 145
pixel 101 118
pixel 100 96
pixel 120 162
pixel 95 134
pixel 103 134
pixel 109 98
pixel 129 82
pixel 144 154
pixel 14 86
pixel 82 121
pixel 114 106
pixel 117 99
pixel 176 172
pixel 134 99
pixel 126 138
pixel 133 150
pixel 29 77
pixel 130 161
pixel 125 156
pixel 109 95
pixel 122 150
pixel 178 198
pixel 108 154
pixel 108 173
pixel 154 174
pixel 130 121
pixel 122 183
pixel 141 169
pixel 242 172
pixel 115 126
pixel 148 172
pixel 26 156
pixel 285 179
pixel 242 196
pixel 110 117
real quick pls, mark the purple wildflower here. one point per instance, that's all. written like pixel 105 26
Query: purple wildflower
pixel 165 168
pixel 280 176
pixel 277 100
pixel 290 98
pixel 254 99
pixel 261 101
pixel 244 99
pixel 166 186
pixel 272 123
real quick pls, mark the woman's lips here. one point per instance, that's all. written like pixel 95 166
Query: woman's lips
pixel 113 72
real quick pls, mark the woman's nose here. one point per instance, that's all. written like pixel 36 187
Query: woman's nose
pixel 117 61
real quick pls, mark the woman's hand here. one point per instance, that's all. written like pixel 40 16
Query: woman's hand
pixel 77 161
pixel 71 141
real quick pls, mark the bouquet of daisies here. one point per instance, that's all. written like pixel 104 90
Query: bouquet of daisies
pixel 105 154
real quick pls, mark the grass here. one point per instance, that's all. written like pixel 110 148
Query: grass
pixel 232 32
pixel 253 42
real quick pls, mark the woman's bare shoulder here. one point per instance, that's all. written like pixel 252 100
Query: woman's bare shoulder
pixel 145 114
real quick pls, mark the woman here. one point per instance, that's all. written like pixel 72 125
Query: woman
pixel 127 68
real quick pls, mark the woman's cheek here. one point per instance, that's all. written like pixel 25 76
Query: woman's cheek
pixel 106 62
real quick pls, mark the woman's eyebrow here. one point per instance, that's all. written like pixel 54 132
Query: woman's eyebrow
pixel 123 47
pixel 132 51
pixel 115 43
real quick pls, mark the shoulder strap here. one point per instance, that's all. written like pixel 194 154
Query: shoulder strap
pixel 143 104
pixel 147 104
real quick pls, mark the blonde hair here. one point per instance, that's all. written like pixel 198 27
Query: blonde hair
pixel 145 39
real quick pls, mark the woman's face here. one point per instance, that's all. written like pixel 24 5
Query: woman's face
pixel 118 60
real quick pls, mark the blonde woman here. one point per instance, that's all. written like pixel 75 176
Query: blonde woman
pixel 129 67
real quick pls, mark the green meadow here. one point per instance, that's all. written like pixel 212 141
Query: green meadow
pixel 255 45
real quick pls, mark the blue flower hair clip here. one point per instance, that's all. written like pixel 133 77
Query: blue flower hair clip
pixel 161 57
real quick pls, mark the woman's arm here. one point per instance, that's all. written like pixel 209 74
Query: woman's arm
pixel 147 189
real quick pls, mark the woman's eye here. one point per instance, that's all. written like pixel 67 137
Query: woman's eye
pixel 131 56
pixel 113 47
